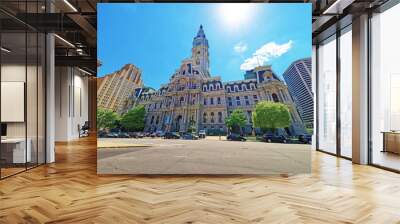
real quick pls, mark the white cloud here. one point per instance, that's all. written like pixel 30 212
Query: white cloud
pixel 265 53
pixel 240 47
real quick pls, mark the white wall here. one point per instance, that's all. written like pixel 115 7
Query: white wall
pixel 71 103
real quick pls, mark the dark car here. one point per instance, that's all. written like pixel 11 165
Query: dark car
pixel 172 135
pixel 306 139
pixel 275 138
pixel 112 135
pixel 123 135
pixel 190 136
pixel 102 134
pixel 235 137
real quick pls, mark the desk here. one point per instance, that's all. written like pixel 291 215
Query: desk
pixel 391 142
pixel 13 150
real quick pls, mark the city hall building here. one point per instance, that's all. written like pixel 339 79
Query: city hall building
pixel 195 98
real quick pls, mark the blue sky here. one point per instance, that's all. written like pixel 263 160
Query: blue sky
pixel 157 37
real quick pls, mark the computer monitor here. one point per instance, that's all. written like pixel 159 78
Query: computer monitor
pixel 3 129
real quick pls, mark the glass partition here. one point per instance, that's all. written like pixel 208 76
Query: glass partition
pixel 346 92
pixel 385 89
pixel 327 95
pixel 14 154
pixel 22 92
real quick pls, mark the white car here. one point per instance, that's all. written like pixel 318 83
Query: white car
pixel 202 133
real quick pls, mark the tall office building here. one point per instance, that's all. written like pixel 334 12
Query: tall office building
pixel 114 89
pixel 298 79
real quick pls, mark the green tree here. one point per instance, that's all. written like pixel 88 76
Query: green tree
pixel 270 116
pixel 236 121
pixel 134 119
pixel 192 126
pixel 106 119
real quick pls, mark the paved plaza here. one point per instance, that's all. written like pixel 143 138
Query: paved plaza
pixel 206 156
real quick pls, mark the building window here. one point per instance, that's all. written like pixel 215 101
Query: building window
pixel 212 101
pixel 219 100
pixel 275 98
pixel 238 100
pixel 249 115
pixel 212 117
pixel 205 118
pixel 255 98
pixel 246 98
pixel 205 101
pixel 229 101
pixel 220 117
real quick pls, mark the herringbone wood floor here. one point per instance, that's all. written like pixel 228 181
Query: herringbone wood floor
pixel 69 191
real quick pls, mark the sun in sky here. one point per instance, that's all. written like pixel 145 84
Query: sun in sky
pixel 236 15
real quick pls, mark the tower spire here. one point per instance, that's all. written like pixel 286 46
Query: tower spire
pixel 200 33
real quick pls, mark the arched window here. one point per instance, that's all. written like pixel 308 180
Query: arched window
pixel 205 118
pixel 236 88
pixel 244 87
pixel 275 98
pixel 219 117
pixel 228 89
pixel 204 88
pixel 211 87
pixel 212 117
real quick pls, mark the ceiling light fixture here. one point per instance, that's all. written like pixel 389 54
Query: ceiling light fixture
pixel 70 5
pixel 86 72
pixel 64 40
pixel 5 50
pixel 337 7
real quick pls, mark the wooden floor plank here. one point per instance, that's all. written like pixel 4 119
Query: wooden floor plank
pixel 70 191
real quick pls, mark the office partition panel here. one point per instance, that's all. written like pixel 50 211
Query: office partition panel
pixel 327 95
pixel 385 89
pixel 23 88
pixel 346 92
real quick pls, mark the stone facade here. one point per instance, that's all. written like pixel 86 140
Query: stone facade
pixel 194 97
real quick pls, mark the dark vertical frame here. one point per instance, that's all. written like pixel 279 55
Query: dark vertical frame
pixel 338 94
pixel 316 96
pixel 369 100
pixel 26 86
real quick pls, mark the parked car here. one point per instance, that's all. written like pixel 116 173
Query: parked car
pixel 202 133
pixel 139 135
pixel 275 138
pixel 123 135
pixel 102 134
pixel 172 135
pixel 306 139
pixel 190 136
pixel 160 133
pixel 112 135
pixel 235 137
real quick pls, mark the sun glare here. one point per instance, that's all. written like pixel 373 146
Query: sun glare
pixel 235 15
